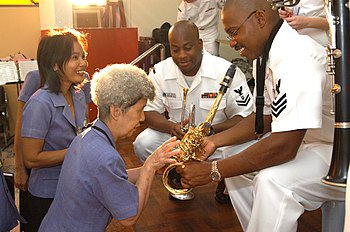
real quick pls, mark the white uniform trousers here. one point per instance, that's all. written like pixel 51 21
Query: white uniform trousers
pixel 149 140
pixel 273 199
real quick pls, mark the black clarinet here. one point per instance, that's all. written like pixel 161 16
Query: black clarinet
pixel 338 58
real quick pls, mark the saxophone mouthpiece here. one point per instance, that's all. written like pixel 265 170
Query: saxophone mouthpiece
pixel 226 82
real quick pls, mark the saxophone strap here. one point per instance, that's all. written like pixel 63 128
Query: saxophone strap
pixel 260 80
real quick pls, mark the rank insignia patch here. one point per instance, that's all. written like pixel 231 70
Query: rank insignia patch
pixel 244 100
pixel 279 105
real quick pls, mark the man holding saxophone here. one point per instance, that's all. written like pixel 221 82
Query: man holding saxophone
pixel 192 68
pixel 272 180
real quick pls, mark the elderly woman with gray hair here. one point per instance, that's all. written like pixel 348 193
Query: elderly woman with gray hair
pixel 94 184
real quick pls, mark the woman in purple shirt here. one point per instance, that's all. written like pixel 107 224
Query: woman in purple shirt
pixel 94 184
pixel 30 86
pixel 53 116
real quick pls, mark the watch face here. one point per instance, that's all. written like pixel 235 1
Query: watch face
pixel 215 176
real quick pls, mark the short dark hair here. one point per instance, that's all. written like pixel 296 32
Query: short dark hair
pixel 55 48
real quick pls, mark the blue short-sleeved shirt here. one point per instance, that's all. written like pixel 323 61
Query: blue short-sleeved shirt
pixel 32 84
pixel 47 116
pixel 8 211
pixel 93 186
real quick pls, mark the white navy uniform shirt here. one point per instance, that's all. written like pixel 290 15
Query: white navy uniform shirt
pixel 312 8
pixel 205 14
pixel 294 91
pixel 169 83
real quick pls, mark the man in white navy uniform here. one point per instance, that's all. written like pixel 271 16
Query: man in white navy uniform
pixel 190 67
pixel 274 179
pixel 205 14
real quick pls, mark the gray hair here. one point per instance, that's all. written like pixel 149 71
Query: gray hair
pixel 121 85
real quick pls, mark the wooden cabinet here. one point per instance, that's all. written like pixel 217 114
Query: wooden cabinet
pixel 109 46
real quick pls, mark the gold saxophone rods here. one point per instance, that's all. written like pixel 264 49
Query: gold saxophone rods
pixel 214 108
pixel 191 143
pixel 183 109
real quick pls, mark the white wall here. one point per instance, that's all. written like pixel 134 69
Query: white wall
pixel 55 13
pixel 149 14
pixel 19 32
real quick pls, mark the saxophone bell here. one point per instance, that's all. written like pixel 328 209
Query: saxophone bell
pixel 172 180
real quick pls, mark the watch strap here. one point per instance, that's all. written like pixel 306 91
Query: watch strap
pixel 215 170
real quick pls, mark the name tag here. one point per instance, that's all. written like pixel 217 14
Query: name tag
pixel 169 95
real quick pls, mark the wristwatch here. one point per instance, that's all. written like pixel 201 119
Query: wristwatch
pixel 215 174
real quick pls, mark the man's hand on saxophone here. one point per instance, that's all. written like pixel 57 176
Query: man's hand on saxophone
pixel 176 129
pixel 208 148
pixel 199 176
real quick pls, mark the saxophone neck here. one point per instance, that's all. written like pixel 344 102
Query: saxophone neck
pixel 214 108
pixel 204 127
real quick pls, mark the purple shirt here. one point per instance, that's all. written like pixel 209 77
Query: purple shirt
pixel 93 186
pixel 47 116
pixel 32 84
pixel 8 211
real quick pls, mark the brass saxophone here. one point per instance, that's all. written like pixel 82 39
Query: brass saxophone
pixel 191 143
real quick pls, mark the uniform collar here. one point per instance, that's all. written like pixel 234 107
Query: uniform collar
pixel 98 123
pixel 79 106
pixel 205 70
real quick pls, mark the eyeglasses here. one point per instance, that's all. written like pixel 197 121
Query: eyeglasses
pixel 230 36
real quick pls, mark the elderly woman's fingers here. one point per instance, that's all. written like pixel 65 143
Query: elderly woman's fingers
pixel 172 139
pixel 169 145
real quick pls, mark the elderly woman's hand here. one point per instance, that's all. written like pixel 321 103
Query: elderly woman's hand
pixel 162 155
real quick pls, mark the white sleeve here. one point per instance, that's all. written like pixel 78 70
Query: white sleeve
pixel 181 12
pixel 157 103
pixel 239 99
